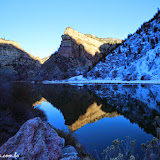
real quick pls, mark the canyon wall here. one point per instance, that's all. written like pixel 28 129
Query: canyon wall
pixel 13 56
pixel 77 54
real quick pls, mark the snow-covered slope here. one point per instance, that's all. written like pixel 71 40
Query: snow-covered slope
pixel 138 58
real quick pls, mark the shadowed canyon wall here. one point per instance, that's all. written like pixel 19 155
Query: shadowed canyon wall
pixel 22 63
pixel 77 54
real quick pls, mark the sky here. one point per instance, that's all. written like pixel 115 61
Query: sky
pixel 37 25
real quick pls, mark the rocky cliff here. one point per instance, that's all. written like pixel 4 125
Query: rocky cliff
pixel 76 44
pixel 12 55
pixel 77 54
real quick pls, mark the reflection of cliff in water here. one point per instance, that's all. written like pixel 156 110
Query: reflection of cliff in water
pixel 81 106
pixel 71 100
pixel 138 103
pixel 93 114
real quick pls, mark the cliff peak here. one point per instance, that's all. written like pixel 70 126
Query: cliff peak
pixel 15 44
pixel 24 64
pixel 78 53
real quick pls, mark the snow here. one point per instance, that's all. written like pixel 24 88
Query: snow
pixel 147 95
pixel 82 80
pixel 137 58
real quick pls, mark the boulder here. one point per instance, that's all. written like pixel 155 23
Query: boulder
pixel 69 153
pixel 35 140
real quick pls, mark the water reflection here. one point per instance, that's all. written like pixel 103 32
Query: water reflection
pixel 54 115
pixel 93 114
pixel 87 111
pixel 138 103
pixel 97 114
pixel 71 100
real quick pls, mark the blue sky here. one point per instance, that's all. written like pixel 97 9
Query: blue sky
pixel 37 25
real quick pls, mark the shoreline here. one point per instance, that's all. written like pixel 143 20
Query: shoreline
pixel 102 82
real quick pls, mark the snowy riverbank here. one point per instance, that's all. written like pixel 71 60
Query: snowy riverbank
pixel 82 80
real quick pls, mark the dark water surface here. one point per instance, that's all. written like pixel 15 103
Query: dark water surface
pixel 97 114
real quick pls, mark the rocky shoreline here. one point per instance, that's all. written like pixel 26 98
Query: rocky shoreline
pixel 37 140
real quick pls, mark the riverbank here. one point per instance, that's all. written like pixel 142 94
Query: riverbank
pixel 82 80
pixel 36 139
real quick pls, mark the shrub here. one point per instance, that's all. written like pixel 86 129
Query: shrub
pixel 155 29
pixel 124 149
pixel 152 43
pixel 119 50
pixel 97 74
pixel 129 49
pixel 121 150
pixel 135 55
pixel 146 77
pixel 143 39
pixel 114 73
pixel 139 50
pixel 70 139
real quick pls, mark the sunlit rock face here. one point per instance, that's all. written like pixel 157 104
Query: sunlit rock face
pixel 90 43
pixel 77 54
pixel 11 54
pixel 15 44
pixel 76 44
pixel 93 114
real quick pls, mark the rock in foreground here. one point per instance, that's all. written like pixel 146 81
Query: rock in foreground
pixel 36 140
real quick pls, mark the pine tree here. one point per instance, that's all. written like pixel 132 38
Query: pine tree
pixel 119 51
pixel 152 43
pixel 129 48
pixel 135 55
pixel 143 39
pixel 156 40
pixel 139 51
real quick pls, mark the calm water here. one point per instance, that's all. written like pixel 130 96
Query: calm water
pixel 96 114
